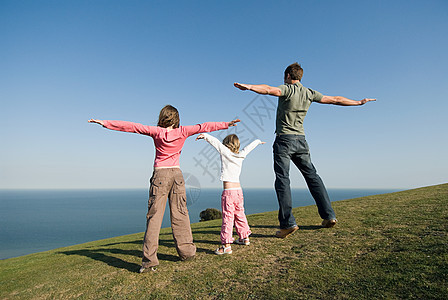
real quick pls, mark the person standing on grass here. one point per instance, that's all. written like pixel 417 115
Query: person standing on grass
pixel 293 102
pixel 232 202
pixel 167 180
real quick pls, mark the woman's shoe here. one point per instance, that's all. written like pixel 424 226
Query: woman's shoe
pixel 225 250
pixel 243 241
pixel 146 270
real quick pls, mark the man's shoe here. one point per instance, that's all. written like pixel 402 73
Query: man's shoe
pixel 146 270
pixel 329 223
pixel 282 233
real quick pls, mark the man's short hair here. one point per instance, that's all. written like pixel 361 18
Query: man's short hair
pixel 295 71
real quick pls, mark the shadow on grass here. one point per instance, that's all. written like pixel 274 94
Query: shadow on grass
pixel 257 235
pixel 217 241
pixel 212 226
pixel 264 226
pixel 137 242
pixel 98 254
pixel 301 227
pixel 214 232
pixel 110 260
pixel 309 227
pixel 105 255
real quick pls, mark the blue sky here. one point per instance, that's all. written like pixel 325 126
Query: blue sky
pixel 64 62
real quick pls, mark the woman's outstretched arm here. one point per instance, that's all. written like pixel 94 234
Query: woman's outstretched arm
pixel 126 126
pixel 207 127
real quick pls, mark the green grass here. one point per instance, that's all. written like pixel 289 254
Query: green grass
pixel 391 246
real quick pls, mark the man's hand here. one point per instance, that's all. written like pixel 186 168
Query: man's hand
pixel 96 121
pixel 242 86
pixel 233 123
pixel 365 100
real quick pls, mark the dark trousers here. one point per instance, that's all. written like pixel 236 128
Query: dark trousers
pixel 291 147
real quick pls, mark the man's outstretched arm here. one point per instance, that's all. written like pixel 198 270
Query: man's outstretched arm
pixel 262 89
pixel 338 100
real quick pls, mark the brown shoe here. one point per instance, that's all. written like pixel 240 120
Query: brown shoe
pixel 188 258
pixel 329 223
pixel 282 233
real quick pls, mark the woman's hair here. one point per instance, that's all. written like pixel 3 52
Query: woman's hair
pixel 168 116
pixel 232 142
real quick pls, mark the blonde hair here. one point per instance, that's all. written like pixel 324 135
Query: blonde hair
pixel 232 142
pixel 168 116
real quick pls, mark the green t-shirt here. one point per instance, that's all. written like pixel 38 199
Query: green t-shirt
pixel 292 107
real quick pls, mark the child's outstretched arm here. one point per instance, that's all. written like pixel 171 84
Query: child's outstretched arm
pixel 213 141
pixel 251 147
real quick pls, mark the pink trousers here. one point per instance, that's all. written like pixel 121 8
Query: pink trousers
pixel 232 205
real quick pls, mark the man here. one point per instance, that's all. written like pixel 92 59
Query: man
pixel 290 144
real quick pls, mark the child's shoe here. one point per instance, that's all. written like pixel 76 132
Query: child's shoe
pixel 223 250
pixel 243 241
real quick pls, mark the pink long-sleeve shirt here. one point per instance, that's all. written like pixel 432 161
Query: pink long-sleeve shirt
pixel 168 143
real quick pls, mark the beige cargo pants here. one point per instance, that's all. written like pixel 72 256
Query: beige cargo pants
pixel 167 183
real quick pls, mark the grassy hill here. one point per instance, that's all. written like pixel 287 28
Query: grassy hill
pixel 390 246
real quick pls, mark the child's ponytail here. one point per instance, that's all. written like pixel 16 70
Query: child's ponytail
pixel 232 142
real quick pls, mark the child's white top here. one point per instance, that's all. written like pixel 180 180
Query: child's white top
pixel 231 162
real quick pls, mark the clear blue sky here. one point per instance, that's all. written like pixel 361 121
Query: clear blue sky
pixel 63 62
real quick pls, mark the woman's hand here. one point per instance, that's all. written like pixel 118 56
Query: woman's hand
pixel 233 123
pixel 201 136
pixel 96 121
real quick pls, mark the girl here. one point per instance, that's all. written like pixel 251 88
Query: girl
pixel 167 180
pixel 232 196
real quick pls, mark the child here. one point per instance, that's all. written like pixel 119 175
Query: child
pixel 232 195
pixel 167 180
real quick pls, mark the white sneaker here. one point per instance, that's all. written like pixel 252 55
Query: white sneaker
pixel 243 241
pixel 225 250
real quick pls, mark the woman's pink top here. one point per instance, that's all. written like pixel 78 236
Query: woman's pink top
pixel 168 143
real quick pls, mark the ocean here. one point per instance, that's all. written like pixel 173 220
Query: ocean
pixel 40 220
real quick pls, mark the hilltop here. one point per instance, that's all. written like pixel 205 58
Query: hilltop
pixel 385 246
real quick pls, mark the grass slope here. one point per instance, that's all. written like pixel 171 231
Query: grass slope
pixel 390 246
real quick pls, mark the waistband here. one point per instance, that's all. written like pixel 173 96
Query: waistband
pixel 288 134
pixel 233 189
pixel 160 171
pixel 167 167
